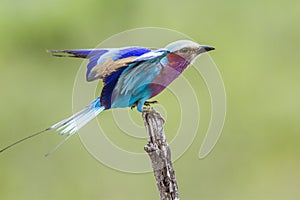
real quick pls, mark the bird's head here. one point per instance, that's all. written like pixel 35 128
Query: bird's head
pixel 187 49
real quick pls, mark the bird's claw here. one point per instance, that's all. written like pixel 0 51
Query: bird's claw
pixel 132 107
pixel 148 103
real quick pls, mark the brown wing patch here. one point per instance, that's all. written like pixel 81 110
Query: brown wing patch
pixel 107 67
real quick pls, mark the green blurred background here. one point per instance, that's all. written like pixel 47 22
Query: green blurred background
pixel 257 156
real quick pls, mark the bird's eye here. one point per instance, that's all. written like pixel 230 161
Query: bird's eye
pixel 184 50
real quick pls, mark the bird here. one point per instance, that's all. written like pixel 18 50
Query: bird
pixel 131 76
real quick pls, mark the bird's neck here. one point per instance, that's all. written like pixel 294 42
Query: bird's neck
pixel 173 67
pixel 176 62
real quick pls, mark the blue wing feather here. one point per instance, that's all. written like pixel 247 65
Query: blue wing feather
pixel 131 51
pixel 109 85
pixel 151 55
pixel 93 61
pixel 101 66
pixel 111 80
pixel 132 84
pixel 135 77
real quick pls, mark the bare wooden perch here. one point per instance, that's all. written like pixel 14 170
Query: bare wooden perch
pixel 160 155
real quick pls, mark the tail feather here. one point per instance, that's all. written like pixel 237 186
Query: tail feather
pixel 57 146
pixel 72 124
pixel 68 126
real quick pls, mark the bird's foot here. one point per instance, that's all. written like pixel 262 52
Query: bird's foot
pixel 133 106
pixel 148 103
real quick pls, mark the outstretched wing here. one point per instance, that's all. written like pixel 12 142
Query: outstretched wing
pixel 102 62
pixel 109 64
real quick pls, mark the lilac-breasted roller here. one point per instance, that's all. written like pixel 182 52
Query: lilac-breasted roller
pixel 131 76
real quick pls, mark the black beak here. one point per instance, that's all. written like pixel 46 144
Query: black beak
pixel 203 49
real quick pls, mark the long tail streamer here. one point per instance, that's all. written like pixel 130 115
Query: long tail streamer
pixel 68 126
